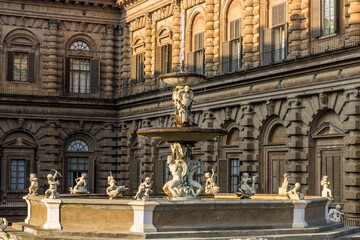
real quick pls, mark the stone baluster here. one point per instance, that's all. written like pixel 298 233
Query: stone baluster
pixel 177 34
pixel 52 84
pixel 209 37
pixel 296 156
pixel 147 62
pixel 294 30
pixel 109 62
pixel 351 166
pixel 247 33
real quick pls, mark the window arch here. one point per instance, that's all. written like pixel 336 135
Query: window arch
pixel 78 159
pixel 195 58
pixel 163 52
pixel 23 56
pixel 82 68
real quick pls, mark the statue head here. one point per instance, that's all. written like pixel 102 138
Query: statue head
pixel 50 176
pixel 147 180
pixel 32 176
pixel 83 175
pixel 325 178
pixel 297 186
pixel 286 176
pixel 207 175
pixel 170 159
pixel 338 207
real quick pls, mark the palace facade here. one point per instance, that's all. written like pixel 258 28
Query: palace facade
pixel 79 77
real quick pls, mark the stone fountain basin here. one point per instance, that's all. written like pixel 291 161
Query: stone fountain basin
pixel 182 79
pixel 182 134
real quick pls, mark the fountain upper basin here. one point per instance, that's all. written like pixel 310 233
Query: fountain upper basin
pixel 182 79
pixel 183 134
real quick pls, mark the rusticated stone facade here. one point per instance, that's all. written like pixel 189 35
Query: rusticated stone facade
pixel 290 103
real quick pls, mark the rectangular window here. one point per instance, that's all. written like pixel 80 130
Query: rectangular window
pixel 328 20
pixel 234 174
pixel 76 166
pixel 199 52
pixel 79 75
pixel 165 59
pixel 17 174
pixel 279 52
pixel 140 67
pixel 198 172
pixel 235 45
pixel 139 172
pixel 21 66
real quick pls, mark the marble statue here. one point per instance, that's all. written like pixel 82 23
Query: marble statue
pixel 144 190
pixel 285 185
pixel 244 190
pixel 3 224
pixel 326 192
pixel 114 191
pixel 80 187
pixel 210 187
pixel 183 98
pixel 34 185
pixel 295 194
pixel 182 166
pixel 335 214
pixel 52 193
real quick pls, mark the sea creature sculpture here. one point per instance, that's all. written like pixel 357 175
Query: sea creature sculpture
pixel 3 224
pixel 244 190
pixel 80 187
pixel 114 191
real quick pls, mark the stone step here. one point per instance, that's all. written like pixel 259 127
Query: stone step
pixel 351 236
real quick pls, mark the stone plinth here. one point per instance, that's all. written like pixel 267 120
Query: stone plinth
pixel 52 213
pixel 143 216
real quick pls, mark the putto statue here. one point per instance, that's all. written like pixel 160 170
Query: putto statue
pixel 244 190
pixel 52 193
pixel 285 185
pixel 183 98
pixel 34 185
pixel 182 166
pixel 210 187
pixel 3 224
pixel 80 187
pixel 335 214
pixel 144 190
pixel 295 194
pixel 114 191
pixel 326 192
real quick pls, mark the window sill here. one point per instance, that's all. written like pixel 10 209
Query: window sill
pixel 19 82
pixel 328 36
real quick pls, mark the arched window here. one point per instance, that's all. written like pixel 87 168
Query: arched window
pixel 22 49
pixel 137 61
pixel 231 49
pixel 163 53
pixel 82 68
pixel 78 159
pixel 195 58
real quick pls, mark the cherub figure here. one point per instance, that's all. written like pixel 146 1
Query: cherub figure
pixel 210 187
pixel 244 190
pixel 295 194
pixel 285 185
pixel 52 193
pixel 326 190
pixel 34 185
pixel 144 190
pixel 113 190
pixel 80 187
pixel 335 214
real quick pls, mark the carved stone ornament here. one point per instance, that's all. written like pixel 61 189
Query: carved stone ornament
pixel 144 190
pixel 210 186
pixel 323 98
pixel 52 192
pixel 326 192
pixel 295 194
pixel 270 105
pixel 34 185
pixel 285 185
pixel 335 214
pixel 114 191
pixel 244 190
pixel 80 187
pixel 183 98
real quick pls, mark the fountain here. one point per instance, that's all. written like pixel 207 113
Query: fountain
pixel 182 137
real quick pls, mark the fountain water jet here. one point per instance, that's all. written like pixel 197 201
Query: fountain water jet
pixel 182 137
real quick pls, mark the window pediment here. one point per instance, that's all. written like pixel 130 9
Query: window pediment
pixel 327 129
pixel 19 143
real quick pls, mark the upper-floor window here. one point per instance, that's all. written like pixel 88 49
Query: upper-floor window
pixel 22 50
pixel 323 17
pixel 82 69
pixel 199 52
pixel 195 58
pixel 163 53
pixel 137 61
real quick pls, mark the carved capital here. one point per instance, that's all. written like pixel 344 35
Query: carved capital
pixel 270 106
pixel 323 98
pixel 54 24
pixel 52 123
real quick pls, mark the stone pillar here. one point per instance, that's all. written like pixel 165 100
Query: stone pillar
pixel 27 220
pixel 209 38
pixel 109 60
pixel 143 216
pixel 249 157
pixel 351 166
pixel 217 43
pixel 256 32
pixel 294 30
pixel 125 58
pixel 177 34
pixel 299 214
pixel 354 20
pixel 123 156
pixel 147 63
pixel 52 84
pixel 297 158
pixel 247 33
pixel 305 27
pixel 53 213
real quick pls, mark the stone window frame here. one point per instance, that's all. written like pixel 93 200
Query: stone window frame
pixel 21 41
pixel 163 46
pixel 137 60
